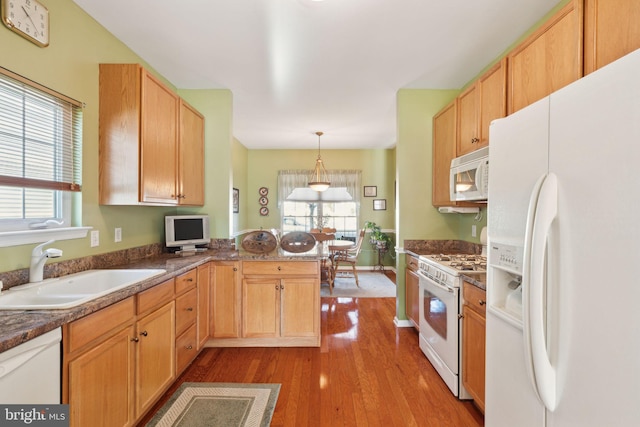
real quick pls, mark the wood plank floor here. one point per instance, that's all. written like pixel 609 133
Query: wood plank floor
pixel 367 372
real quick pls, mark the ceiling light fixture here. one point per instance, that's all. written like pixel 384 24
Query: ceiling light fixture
pixel 319 179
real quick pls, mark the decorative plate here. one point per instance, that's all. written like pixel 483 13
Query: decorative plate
pixel 263 191
pixel 259 242
pixel 264 211
pixel 263 201
pixel 297 242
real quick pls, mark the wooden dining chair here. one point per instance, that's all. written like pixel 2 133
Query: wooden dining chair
pixel 348 257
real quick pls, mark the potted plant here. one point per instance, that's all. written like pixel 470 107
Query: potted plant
pixel 378 237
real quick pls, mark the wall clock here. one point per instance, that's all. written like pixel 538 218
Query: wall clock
pixel 264 211
pixel 263 191
pixel 263 201
pixel 28 18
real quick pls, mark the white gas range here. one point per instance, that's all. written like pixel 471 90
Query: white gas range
pixel 440 310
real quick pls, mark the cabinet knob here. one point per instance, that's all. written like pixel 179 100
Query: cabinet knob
pixel 190 309
pixel 190 279
pixel 279 268
pixel 235 268
pixel 475 140
pixel 460 316
pixel 135 339
pixel 482 302
pixel 282 287
pixel 189 347
pixel 144 333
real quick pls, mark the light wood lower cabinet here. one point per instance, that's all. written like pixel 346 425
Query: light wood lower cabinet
pixel 99 367
pixel 204 292
pixel 281 302
pixel 226 297
pixel 155 356
pixel 473 342
pixel 118 361
pixel 412 291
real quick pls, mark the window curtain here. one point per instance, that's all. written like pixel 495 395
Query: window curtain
pixel 345 186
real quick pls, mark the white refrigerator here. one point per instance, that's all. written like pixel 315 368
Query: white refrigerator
pixel 563 287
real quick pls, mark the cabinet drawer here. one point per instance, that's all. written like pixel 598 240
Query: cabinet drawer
pixel 186 281
pixel 186 309
pixel 412 262
pixel 99 324
pixel 186 348
pixel 156 296
pixel 475 297
pixel 280 268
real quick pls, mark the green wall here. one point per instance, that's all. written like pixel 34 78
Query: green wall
pixel 70 65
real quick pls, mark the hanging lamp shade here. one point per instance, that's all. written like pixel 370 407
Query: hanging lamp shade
pixel 319 179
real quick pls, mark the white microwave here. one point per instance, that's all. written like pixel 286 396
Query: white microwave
pixel 469 177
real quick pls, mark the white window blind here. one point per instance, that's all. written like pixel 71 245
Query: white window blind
pixel 40 149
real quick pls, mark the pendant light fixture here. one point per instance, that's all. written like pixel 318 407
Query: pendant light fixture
pixel 319 179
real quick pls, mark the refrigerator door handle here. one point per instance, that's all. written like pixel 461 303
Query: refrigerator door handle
pixel 544 373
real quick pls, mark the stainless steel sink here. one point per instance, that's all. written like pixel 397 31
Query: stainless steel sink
pixel 72 290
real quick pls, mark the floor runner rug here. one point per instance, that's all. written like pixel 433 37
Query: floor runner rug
pixel 218 404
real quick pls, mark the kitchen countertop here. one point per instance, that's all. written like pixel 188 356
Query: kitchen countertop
pixel 19 326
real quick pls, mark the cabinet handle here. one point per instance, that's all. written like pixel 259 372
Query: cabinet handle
pixel 135 339
pixel 482 302
pixel 190 279
pixel 181 196
pixel 475 140
pixel 144 333
pixel 282 287
pixel 235 269
pixel 460 316
pixel 189 347
pixel 190 309
pixel 277 287
pixel 279 268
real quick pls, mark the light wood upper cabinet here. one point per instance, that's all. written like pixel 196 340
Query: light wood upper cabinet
pixel 492 91
pixel 612 29
pixel 191 163
pixel 547 60
pixel 478 105
pixel 146 134
pixel 444 150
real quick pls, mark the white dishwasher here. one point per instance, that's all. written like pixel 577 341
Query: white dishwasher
pixel 30 372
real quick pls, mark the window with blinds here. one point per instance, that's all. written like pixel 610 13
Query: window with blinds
pixel 40 154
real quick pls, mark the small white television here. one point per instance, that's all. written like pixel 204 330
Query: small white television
pixel 186 232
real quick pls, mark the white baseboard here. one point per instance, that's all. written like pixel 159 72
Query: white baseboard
pixel 402 323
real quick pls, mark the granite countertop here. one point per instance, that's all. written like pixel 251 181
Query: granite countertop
pixel 478 280
pixel 19 326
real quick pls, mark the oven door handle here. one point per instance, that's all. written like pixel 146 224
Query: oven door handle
pixel 436 284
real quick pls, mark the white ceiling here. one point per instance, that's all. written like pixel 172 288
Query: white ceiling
pixel 300 66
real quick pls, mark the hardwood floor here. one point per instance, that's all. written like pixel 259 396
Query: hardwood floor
pixel 367 372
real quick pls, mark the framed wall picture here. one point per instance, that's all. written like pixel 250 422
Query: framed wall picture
pixel 380 205
pixel 370 191
pixel 236 200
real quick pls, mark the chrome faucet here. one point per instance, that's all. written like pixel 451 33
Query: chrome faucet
pixel 38 258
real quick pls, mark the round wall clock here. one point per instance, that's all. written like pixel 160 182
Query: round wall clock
pixel 263 201
pixel 28 18
pixel 263 191
pixel 264 211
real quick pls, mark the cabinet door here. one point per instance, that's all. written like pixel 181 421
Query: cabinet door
pixel 467 121
pixel 158 142
pixel 300 298
pixel 611 31
pixel 444 150
pixel 204 289
pixel 191 181
pixel 473 356
pixel 103 378
pixel 492 91
pixel 225 300
pixel 261 308
pixel 155 355
pixel 548 60
pixel 412 297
